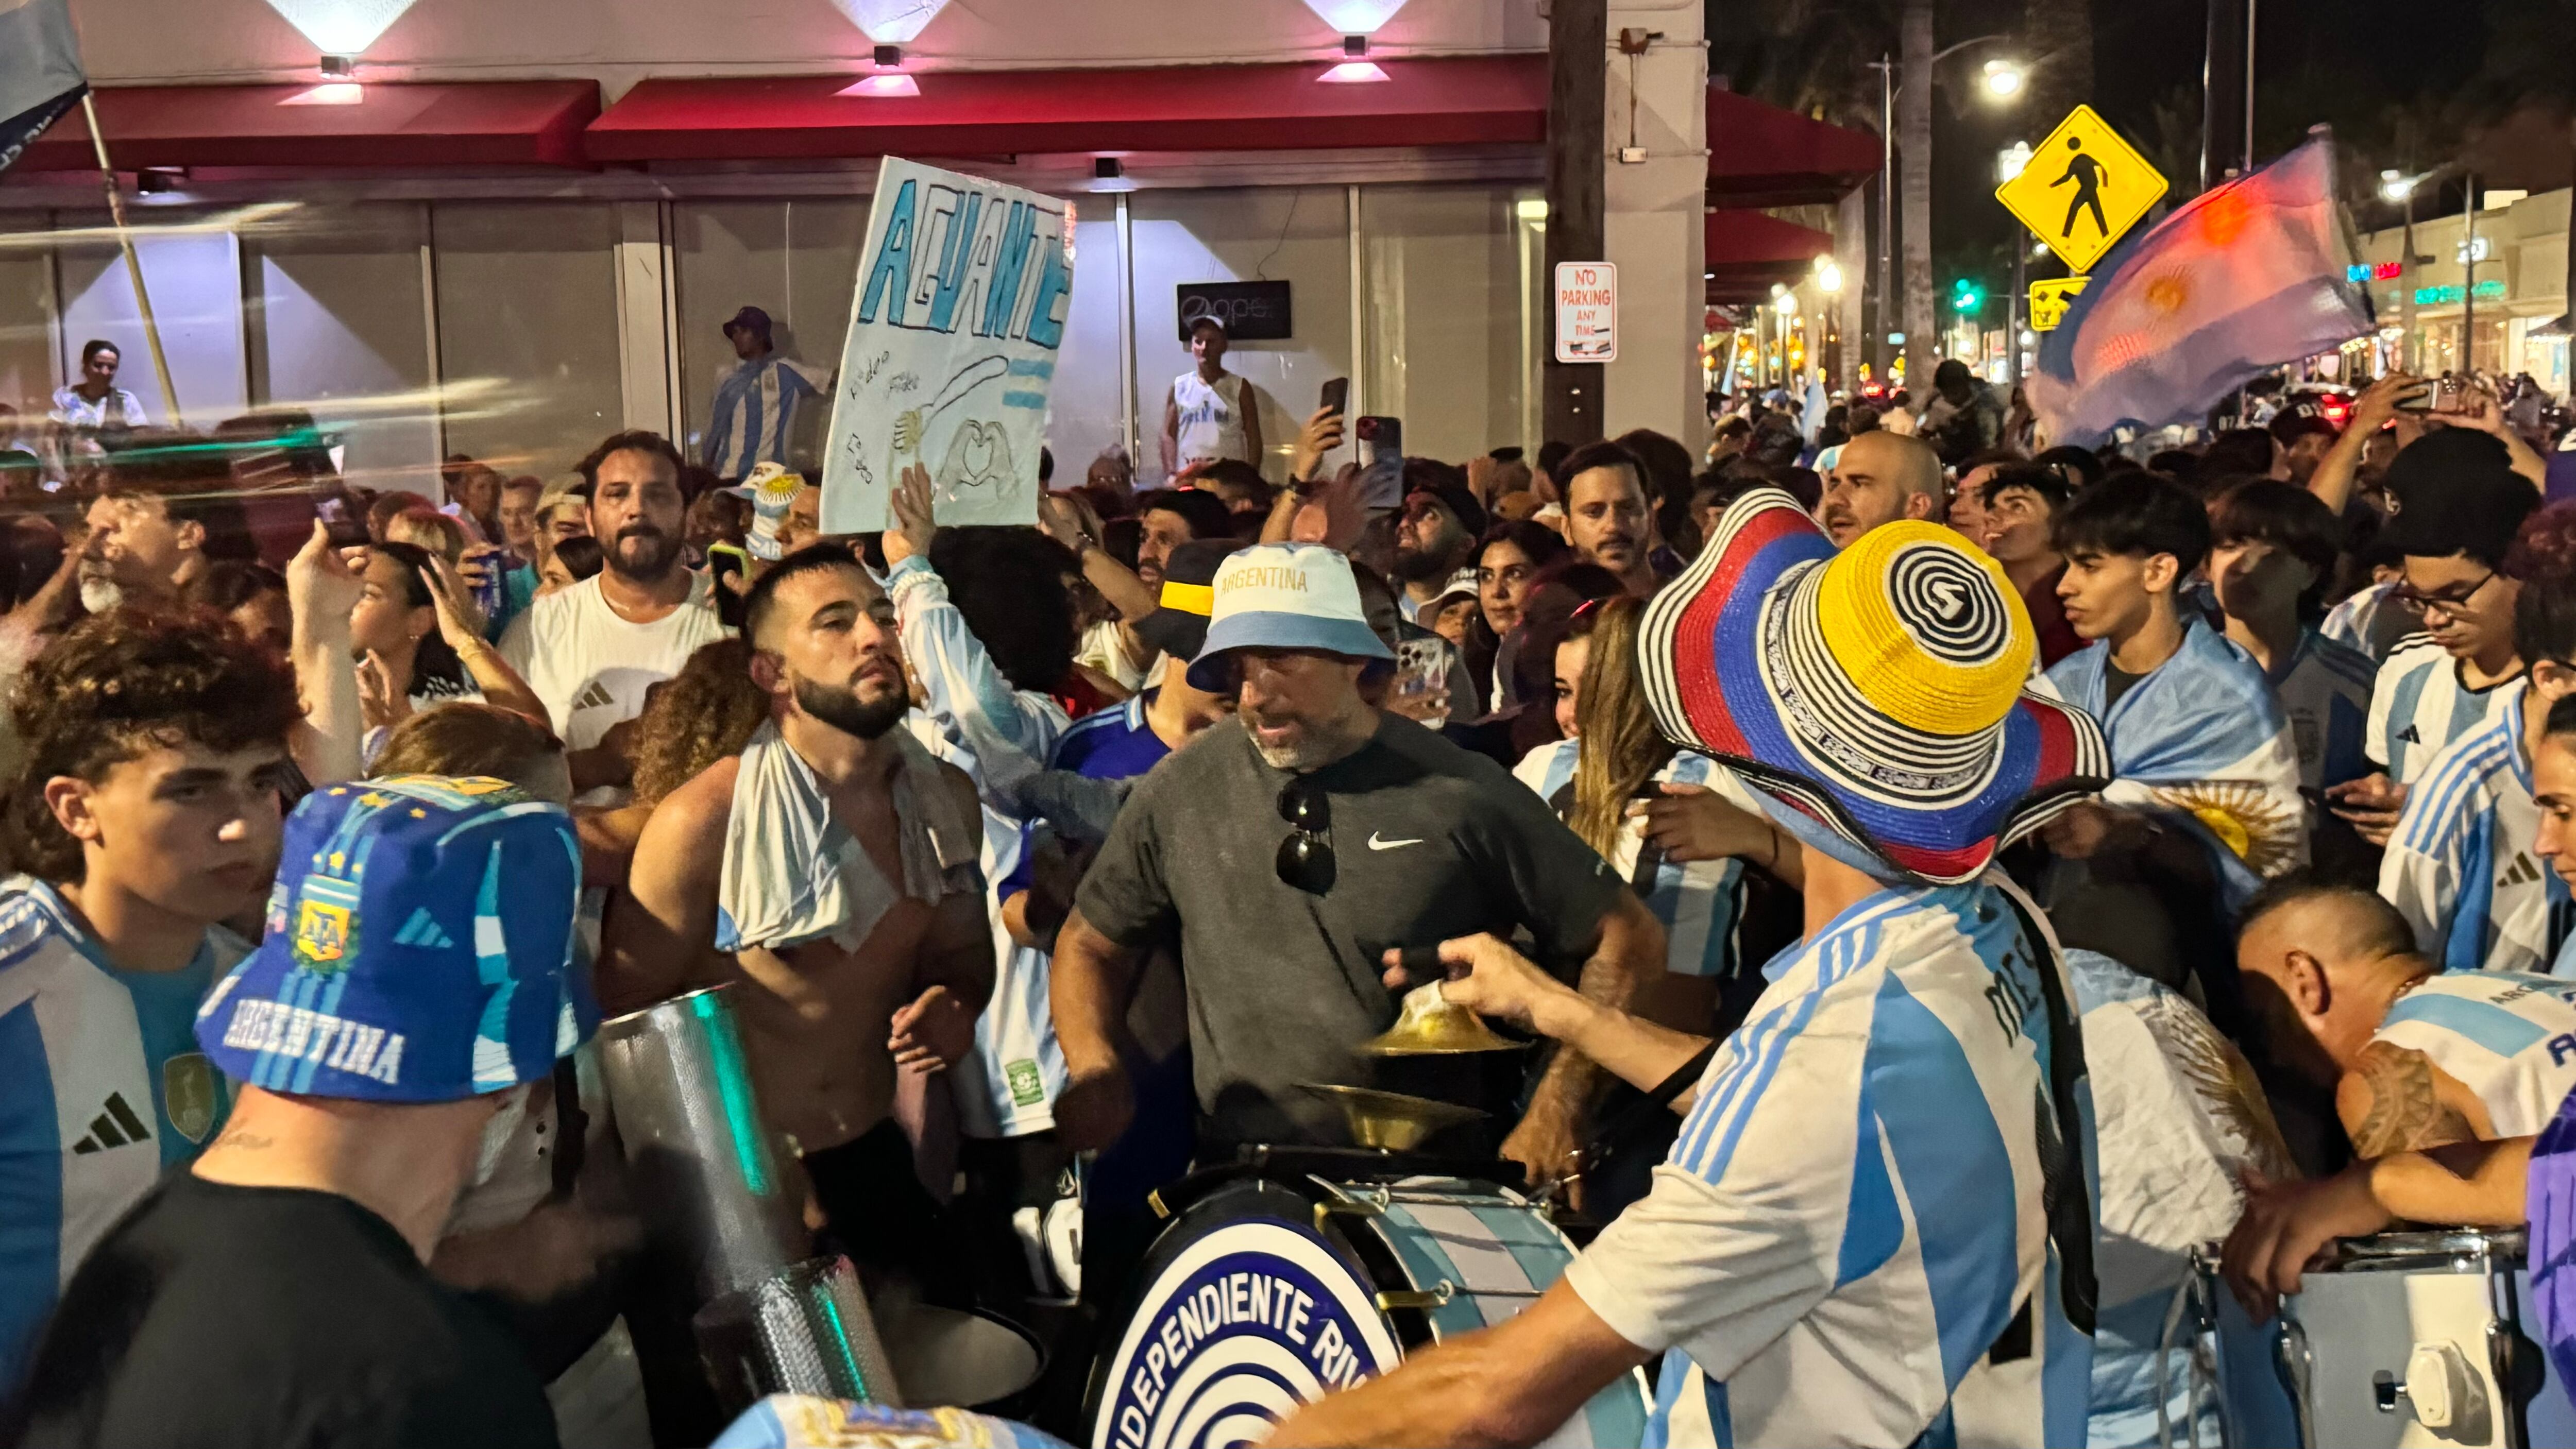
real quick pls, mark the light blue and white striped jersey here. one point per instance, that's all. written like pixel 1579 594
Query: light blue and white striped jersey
pixel 972 718
pixel 755 413
pixel 2460 867
pixel 2372 621
pixel 101 1087
pixel 1698 902
pixel 2418 705
pixel 2509 1038
pixel 1851 1218
pixel 2325 690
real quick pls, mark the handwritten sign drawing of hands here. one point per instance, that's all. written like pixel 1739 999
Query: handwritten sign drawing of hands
pixel 979 455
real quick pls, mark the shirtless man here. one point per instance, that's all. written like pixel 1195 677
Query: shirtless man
pixel 829 1007
pixel 2442 1078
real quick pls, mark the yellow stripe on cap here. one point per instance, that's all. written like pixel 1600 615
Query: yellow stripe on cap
pixel 1199 599
pixel 1889 665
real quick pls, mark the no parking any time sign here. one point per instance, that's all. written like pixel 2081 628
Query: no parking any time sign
pixel 1587 312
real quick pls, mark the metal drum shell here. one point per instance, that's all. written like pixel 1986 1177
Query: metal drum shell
pixel 715 1189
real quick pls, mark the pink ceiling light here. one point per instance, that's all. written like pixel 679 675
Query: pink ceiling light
pixel 891 22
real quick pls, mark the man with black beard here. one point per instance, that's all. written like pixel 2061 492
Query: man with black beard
pixel 1442 521
pixel 592 650
pixel 830 873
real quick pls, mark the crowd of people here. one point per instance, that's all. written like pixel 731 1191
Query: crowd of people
pixel 1859 784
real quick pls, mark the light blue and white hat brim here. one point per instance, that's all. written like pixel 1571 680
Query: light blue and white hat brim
pixel 1350 638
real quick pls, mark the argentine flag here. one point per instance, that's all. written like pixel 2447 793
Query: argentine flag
pixel 2244 277
pixel 40 71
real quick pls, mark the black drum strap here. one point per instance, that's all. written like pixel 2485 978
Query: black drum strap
pixel 2063 1191
pixel 1635 1117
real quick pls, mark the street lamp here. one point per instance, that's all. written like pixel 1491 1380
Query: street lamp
pixel 2005 79
pixel 1829 275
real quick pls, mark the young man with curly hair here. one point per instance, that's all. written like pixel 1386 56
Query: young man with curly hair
pixel 148 809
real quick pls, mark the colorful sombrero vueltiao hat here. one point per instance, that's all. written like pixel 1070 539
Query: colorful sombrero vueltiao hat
pixel 1876 692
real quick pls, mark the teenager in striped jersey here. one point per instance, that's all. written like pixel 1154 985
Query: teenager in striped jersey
pixel 2462 867
pixel 2463 505
pixel 149 809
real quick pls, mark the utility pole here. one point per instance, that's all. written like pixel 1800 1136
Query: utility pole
pixel 2221 92
pixel 2469 279
pixel 1887 314
pixel 1578 48
pixel 1915 98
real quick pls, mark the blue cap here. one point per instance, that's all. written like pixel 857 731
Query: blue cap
pixel 419 947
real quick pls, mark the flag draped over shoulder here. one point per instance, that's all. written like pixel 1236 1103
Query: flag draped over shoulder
pixel 2203 742
pixel 40 71
pixel 2241 279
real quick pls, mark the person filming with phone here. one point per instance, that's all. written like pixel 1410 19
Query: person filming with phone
pixel 1286 849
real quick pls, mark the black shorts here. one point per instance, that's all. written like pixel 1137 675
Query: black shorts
pixel 877 1212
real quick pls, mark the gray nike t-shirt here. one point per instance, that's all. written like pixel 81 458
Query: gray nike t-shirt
pixel 1430 842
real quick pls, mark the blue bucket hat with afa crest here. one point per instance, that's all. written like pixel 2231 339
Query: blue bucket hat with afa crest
pixel 420 947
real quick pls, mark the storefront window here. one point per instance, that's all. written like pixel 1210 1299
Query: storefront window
pixel 1300 235
pixel 527 330
pixel 195 281
pixel 1448 316
pixel 336 328
pixel 796 260
pixel 1086 413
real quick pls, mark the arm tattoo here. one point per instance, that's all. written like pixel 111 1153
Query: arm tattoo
pixel 2406 1112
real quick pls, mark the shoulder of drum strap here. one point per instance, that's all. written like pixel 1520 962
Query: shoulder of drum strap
pixel 1634 1117
pixel 2064 1193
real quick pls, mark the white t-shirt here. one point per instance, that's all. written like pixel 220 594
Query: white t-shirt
pixel 1211 417
pixel 592 667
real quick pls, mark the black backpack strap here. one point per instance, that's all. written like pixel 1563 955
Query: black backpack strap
pixel 2064 1194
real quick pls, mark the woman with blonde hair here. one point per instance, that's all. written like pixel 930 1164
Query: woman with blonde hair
pixel 1605 781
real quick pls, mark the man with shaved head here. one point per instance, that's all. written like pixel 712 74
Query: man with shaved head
pixel 2441 1078
pixel 830 874
pixel 1880 477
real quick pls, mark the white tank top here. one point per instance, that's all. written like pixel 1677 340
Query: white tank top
pixel 1211 417
pixel 2509 1038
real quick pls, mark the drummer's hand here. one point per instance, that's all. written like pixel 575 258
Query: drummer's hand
pixel 1545 1146
pixel 2286 1225
pixel 1489 978
pixel 932 1033
pixel 1093 1109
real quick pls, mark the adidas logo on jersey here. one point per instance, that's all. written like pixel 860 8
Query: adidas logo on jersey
pixel 422 930
pixel 2521 872
pixel 2409 736
pixel 115 1127
pixel 594 695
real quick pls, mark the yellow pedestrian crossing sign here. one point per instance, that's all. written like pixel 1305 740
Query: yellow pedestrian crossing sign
pixel 2049 299
pixel 2084 188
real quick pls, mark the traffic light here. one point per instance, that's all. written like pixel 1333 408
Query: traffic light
pixel 1967 297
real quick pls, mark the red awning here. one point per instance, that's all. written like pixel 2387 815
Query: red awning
pixel 472 123
pixel 1453 101
pixel 1748 251
pixel 1760 155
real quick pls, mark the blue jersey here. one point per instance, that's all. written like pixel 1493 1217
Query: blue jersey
pixel 1110 744
pixel 1852 1215
pixel 2461 868
pixel 101 1088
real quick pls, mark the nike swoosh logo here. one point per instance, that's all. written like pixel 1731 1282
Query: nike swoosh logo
pixel 1376 844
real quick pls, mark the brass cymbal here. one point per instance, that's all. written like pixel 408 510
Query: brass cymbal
pixel 1430 1024
pixel 1392 1120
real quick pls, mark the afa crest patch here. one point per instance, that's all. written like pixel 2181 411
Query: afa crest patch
pixel 326 924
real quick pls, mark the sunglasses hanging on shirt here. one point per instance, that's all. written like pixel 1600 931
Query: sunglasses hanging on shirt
pixel 1306 856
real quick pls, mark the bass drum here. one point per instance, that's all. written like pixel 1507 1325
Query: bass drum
pixel 1267 1292
pixel 2418 1339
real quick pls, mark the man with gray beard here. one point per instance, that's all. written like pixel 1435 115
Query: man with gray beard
pixel 1292 845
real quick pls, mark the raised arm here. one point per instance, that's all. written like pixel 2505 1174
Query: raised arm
pixel 974 705
pixel 2333 480
pixel 1491 979
pixel 321 593
pixel 501 684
